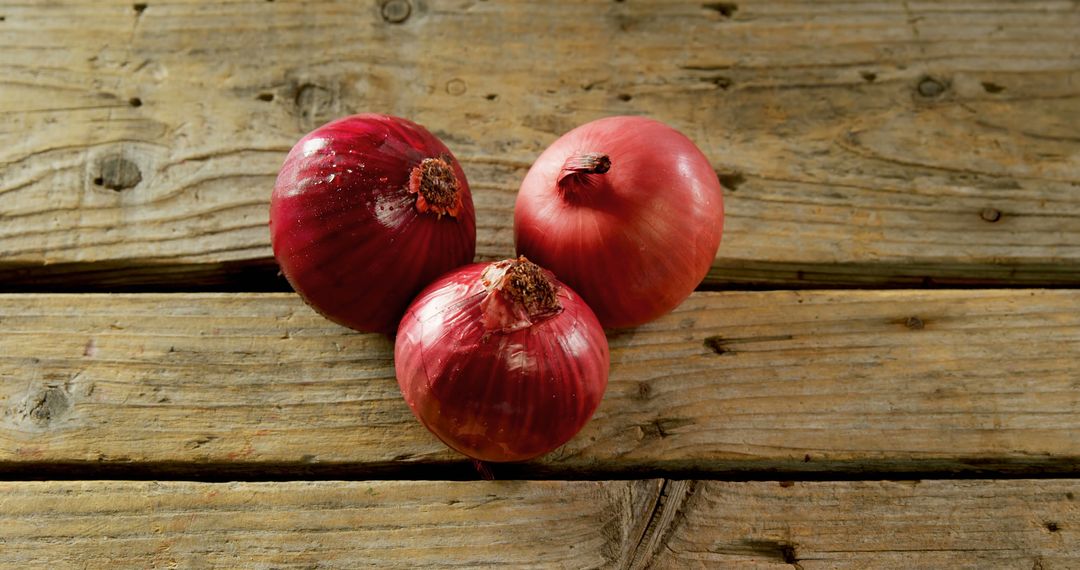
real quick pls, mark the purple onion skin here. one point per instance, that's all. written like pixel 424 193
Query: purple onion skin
pixel 346 228
pixel 491 386
pixel 627 211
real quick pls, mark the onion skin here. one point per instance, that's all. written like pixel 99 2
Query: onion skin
pixel 492 378
pixel 350 228
pixel 627 211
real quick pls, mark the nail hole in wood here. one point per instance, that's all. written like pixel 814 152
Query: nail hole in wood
pixel 135 102
pixel 139 8
pixel 716 344
pixel 731 180
pixel 991 87
pixel 1052 526
pixel 990 215
pixel 625 97
pixel 930 87
pixel 868 76
pixel 723 83
pixel 268 97
pixel 725 9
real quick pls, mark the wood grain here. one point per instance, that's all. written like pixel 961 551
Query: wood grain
pixel 911 381
pixel 1024 524
pixel 333 524
pixel 862 142
pixel 1021 524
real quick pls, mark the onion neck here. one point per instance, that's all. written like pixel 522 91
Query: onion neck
pixel 519 294
pixel 436 187
pixel 583 172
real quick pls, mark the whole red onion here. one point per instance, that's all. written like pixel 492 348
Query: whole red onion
pixel 501 361
pixel 627 211
pixel 366 211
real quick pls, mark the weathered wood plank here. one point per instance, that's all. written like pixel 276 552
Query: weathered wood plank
pixel 321 524
pixel 1026 525
pixel 790 381
pixel 863 142
pixel 1019 524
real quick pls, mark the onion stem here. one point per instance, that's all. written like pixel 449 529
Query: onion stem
pixel 436 187
pixel 578 170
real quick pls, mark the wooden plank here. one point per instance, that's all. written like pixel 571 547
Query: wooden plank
pixel 1028 525
pixel 862 142
pixel 569 524
pixel 320 524
pixel 791 381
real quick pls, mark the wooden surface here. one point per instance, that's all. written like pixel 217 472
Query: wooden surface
pixel 1022 524
pixel 928 147
pixel 862 143
pixel 846 381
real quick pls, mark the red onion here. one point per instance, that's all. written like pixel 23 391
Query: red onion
pixel 366 211
pixel 501 361
pixel 627 211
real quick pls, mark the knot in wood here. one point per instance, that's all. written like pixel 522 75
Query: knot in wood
pixel 930 87
pixel 45 406
pixel 315 104
pixel 396 11
pixel 118 173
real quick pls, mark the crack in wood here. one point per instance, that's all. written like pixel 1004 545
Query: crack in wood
pixel 774 550
pixel 667 512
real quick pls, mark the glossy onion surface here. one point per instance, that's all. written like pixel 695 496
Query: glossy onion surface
pixel 495 378
pixel 627 211
pixel 350 225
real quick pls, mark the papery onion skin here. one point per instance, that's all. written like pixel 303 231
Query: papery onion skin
pixel 492 382
pixel 635 223
pixel 352 231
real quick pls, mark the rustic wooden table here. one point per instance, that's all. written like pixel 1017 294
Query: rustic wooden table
pixel 882 369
